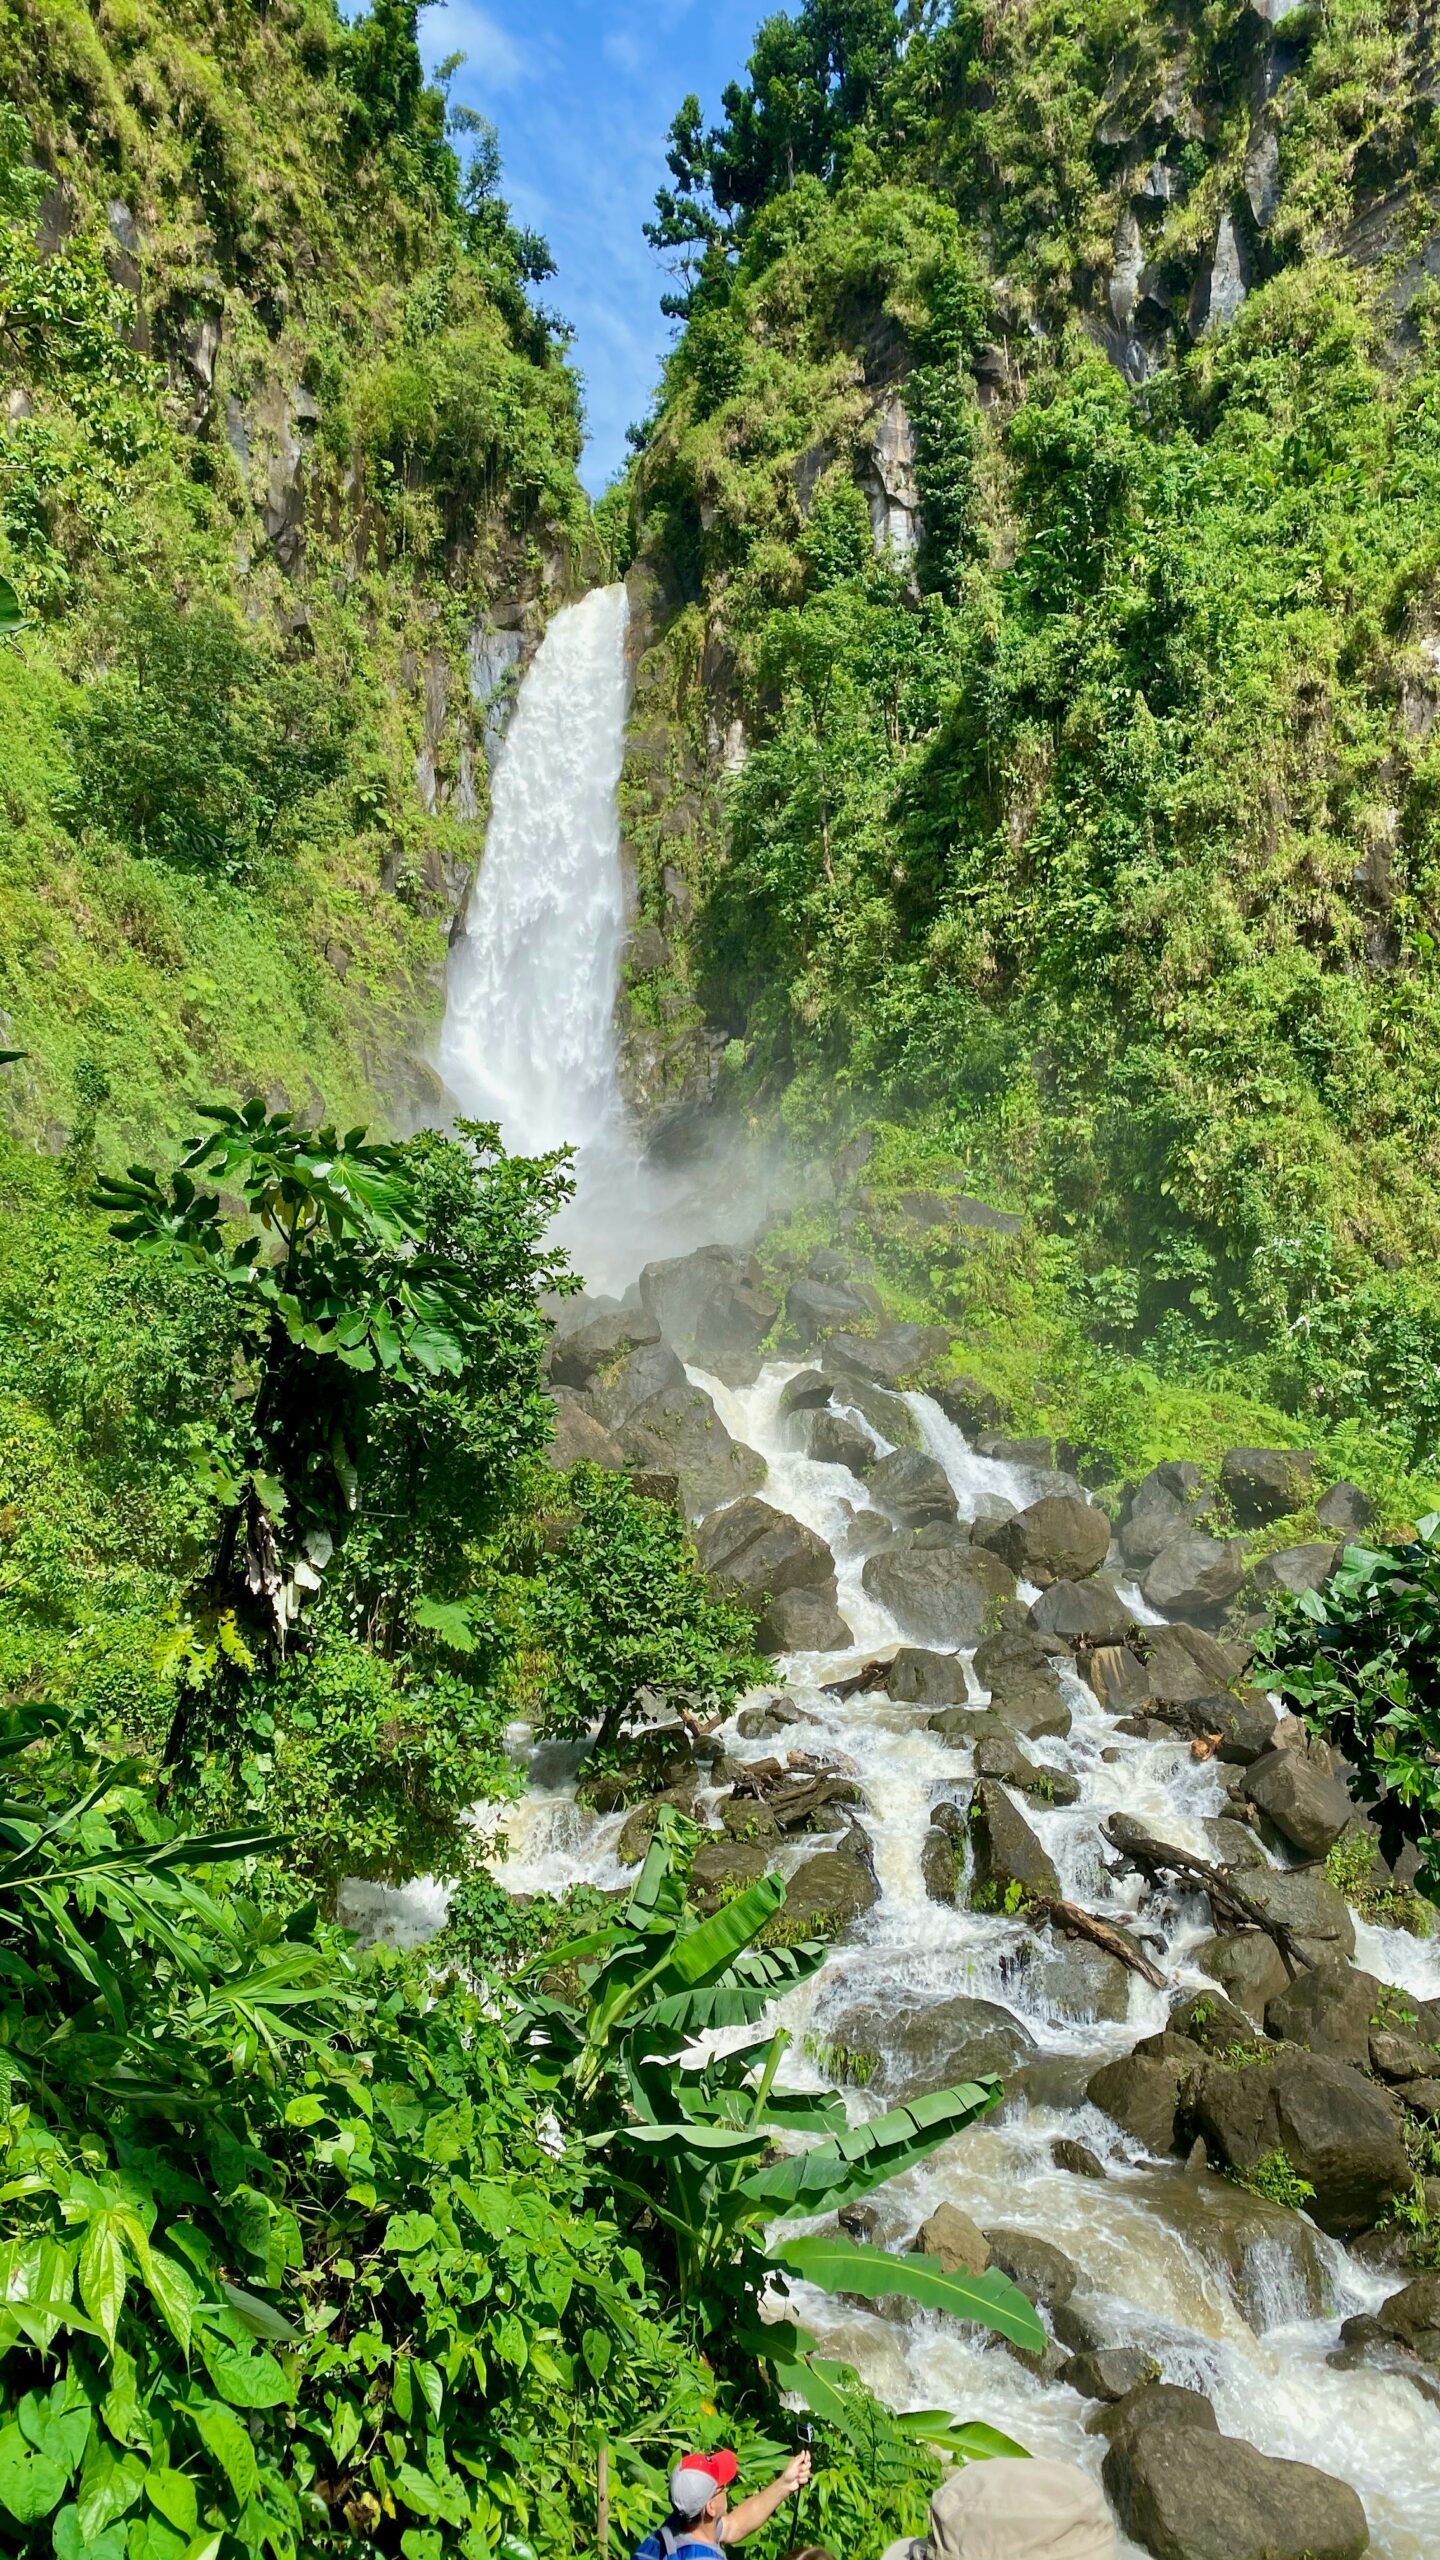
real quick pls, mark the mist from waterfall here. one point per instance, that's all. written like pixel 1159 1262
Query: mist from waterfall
pixel 529 1038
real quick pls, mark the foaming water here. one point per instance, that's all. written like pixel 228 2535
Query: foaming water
pixel 1228 2296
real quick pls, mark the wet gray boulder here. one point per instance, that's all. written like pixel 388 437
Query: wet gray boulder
pixel 713 1308
pixel 1058 1539
pixel 814 1307
pixel 912 1487
pixel 889 1356
pixel 1295 1792
pixel 577 1438
pixel 1208 2019
pixel 1119 1678
pixel 920 2049
pixel 889 1416
pixel 1297 1568
pixel 1188 2493
pixel 1184 1662
pixel 1256 2247
pixel 1245 1723
pixel 938 1595
pixel 1331 2008
pixel 922 1678
pixel 830 1892
pixel 1346 1511
pixel 1335 2128
pixel 1081 1612
pixel 1233 1843
pixel 838 1440
pixel 723 1867
pixel 1142 2091
pixel 1108 2373
pixel 616 1360
pixel 1014 1665
pixel 1003 1755
pixel 1037 2266
pixel 969 1404
pixel 763 1723
pixel 1076 1980
pixel 1008 1864
pixel 1170 1500
pixel 802 1622
pixel 805 1392
pixel 1247 1965
pixel 678 1432
pixel 1409 2320
pixel 757 1552
pixel 1195 1575
pixel 1306 1901
pixel 942 1854
pixel 1265 1484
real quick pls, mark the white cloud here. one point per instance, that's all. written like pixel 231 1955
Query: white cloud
pixel 493 59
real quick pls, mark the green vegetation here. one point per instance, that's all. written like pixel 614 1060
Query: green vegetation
pixel 1274 2179
pixel 1361 1662
pixel 1088 849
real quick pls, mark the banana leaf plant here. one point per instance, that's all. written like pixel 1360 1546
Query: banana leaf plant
pixel 703 2144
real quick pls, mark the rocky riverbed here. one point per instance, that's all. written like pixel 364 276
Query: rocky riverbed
pixel 1013 1767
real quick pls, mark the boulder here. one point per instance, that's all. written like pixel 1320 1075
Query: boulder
pixel 577 1438
pixel 1346 1511
pixel 713 1308
pixel 1208 2019
pixel 1330 2008
pixel 1007 1859
pixel 1272 2259
pixel 1118 1677
pixel 922 1678
pixel 828 1893
pixel 1079 2161
pixel 938 1595
pixel 814 1307
pixel 1307 1806
pixel 1245 1723
pixel 1233 1843
pixel 1409 2320
pixel 1153 2404
pixel 1081 1612
pixel 1195 1575
pixel 1248 1965
pixel 958 2243
pixel 888 1356
pixel 764 1723
pixel 1014 1666
pixel 1184 1662
pixel 1108 2373
pixel 1265 1484
pixel 912 1487
pixel 1057 1539
pixel 1142 2091
pixel 678 1432
pixel 1004 1756
pixel 804 1393
pixel 969 1404
pixel 1073 1979
pixel 838 1440
pixel 921 2049
pixel 757 1553
pixel 1297 1568
pixel 1033 1452
pixel 1188 2493
pixel 889 1417
pixel 617 1360
pixel 1037 2266
pixel 724 1867
pixel 1335 2128
pixel 1305 1901
pixel 1166 1503
pixel 636 1830
pixel 802 1622
pixel 941 1860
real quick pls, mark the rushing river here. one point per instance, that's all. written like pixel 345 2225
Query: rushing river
pixel 1172 2263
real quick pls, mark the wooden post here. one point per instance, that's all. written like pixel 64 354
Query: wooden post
pixel 602 2502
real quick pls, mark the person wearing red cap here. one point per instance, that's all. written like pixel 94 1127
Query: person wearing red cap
pixel 701 2517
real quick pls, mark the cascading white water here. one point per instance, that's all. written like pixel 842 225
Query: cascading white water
pixel 529 1040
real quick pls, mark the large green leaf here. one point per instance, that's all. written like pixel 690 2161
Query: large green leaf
pixel 838 2265
pixel 12 615
pixel 702 1953
pixel 714 2140
pixel 836 2172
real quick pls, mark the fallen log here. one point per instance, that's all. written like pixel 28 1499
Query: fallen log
pixel 1069 1917
pixel 1229 1902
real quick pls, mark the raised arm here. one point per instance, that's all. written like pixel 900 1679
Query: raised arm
pixel 754 2511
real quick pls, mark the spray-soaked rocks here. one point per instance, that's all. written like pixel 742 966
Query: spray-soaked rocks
pixel 772 1562
pixel 1061 1538
pixel 714 1309
pixel 1403 2336
pixel 1017 1666
pixel 907 2052
pixel 939 1589
pixel 1185 2492
pixel 616 1372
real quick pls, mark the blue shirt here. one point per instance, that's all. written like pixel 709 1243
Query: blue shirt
pixel 671 2542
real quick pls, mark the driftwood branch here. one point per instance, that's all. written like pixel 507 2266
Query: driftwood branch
pixel 1229 1902
pixel 1087 1924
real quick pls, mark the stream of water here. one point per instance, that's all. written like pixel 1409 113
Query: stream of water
pixel 1244 2306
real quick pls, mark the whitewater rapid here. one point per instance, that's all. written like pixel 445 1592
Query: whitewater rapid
pixel 530 1040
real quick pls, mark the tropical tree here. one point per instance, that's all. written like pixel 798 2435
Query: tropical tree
pixel 688 2139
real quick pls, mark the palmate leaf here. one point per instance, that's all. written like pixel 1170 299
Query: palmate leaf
pixel 835 2173
pixel 838 2265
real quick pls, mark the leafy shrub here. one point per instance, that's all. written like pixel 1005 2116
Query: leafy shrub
pixel 200 745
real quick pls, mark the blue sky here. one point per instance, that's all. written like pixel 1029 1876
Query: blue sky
pixel 581 92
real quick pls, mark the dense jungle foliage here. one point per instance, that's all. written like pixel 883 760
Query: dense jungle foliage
pixel 1079 712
